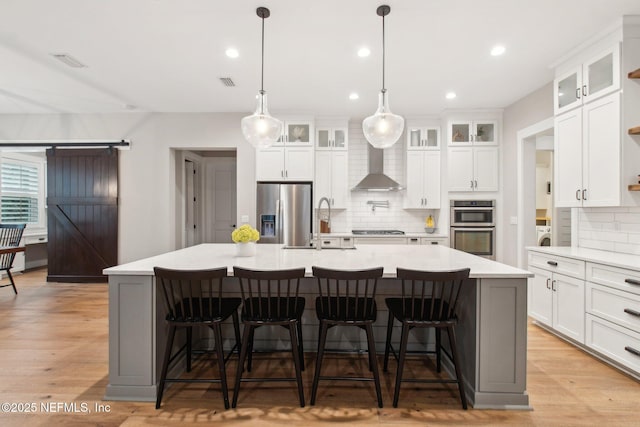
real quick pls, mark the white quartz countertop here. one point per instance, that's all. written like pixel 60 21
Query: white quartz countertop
pixel 615 259
pixel 274 257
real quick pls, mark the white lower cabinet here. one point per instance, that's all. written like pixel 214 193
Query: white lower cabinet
pixel 598 308
pixel 558 301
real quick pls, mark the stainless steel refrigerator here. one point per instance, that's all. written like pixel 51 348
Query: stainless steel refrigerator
pixel 285 213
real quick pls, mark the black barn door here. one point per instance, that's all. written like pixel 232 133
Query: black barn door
pixel 82 205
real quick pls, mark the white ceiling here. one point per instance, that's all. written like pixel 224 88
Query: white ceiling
pixel 167 55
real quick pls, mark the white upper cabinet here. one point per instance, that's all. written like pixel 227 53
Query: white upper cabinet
pixel 331 138
pixel 279 163
pixel 423 138
pixel 586 82
pixel 473 168
pixel 332 178
pixel 297 132
pixel 587 159
pixel 477 132
pixel 423 180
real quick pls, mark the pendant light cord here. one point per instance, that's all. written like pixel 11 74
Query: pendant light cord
pixel 383 55
pixel 262 70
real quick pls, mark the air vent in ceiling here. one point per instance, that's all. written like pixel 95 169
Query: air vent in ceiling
pixel 227 81
pixel 69 60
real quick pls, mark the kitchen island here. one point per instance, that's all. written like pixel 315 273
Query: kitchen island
pixel 492 329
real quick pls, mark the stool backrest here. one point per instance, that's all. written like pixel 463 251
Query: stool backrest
pixel 191 295
pixel 10 235
pixel 431 295
pixel 358 287
pixel 258 287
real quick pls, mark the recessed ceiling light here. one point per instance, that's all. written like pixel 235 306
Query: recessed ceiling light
pixel 497 50
pixel 353 96
pixel 450 95
pixel 232 52
pixel 363 52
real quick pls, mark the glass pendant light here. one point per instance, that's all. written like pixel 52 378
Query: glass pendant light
pixel 260 128
pixel 384 128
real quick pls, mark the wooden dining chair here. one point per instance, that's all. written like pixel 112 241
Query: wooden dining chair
pixel 347 298
pixel 10 236
pixel 194 298
pixel 429 300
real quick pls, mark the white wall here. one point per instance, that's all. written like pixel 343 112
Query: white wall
pixel 147 171
pixel 529 110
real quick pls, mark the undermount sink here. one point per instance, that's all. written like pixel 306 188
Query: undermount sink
pixel 314 248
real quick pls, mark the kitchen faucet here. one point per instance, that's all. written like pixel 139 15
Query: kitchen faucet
pixel 323 199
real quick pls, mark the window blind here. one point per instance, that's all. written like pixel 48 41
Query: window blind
pixel 19 188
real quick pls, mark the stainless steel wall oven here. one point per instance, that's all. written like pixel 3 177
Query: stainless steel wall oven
pixel 473 227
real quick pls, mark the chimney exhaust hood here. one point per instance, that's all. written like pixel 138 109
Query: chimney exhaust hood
pixel 376 180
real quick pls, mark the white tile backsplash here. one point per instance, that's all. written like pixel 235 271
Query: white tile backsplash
pixel 610 229
pixel 359 215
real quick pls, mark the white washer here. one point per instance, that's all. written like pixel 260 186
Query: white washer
pixel 544 235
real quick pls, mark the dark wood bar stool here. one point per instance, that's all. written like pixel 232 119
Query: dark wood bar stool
pixel 194 298
pixel 10 235
pixel 271 298
pixel 428 300
pixel 347 298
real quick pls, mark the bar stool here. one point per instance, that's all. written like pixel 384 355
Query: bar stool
pixel 271 298
pixel 428 300
pixel 347 298
pixel 194 298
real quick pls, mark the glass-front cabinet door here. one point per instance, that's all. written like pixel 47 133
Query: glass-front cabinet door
pixel 324 138
pixel 461 133
pixel 420 138
pixel 330 139
pixel 567 91
pixel 485 132
pixel 601 74
pixel 340 138
pixel 298 132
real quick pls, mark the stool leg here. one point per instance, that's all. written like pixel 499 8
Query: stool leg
pixel 189 341
pixel 12 282
pixel 301 345
pixel 316 377
pixel 438 350
pixel 220 356
pixel 248 329
pixel 387 346
pixel 296 362
pixel 374 362
pixel 456 364
pixel 250 353
pixel 236 330
pixel 165 364
pixel 403 353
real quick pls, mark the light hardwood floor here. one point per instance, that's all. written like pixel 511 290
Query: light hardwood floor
pixel 54 348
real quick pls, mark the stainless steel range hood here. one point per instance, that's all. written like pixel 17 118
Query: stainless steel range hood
pixel 377 180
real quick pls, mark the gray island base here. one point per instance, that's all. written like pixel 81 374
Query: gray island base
pixel 492 330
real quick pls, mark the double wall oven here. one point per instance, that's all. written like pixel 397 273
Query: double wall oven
pixel 473 227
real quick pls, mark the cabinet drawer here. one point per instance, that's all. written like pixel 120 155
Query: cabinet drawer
pixel 616 306
pixel 33 240
pixel 617 343
pixel 413 240
pixel 557 264
pixel 346 242
pixel 618 278
pixel 330 242
pixel 433 241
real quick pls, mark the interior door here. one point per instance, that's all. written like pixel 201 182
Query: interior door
pixel 82 213
pixel 221 198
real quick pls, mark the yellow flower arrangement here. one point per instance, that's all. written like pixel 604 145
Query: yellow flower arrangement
pixel 245 233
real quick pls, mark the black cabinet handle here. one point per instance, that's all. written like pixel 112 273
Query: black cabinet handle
pixel 414 239
pixel 327 242
pixel 555 264
pixel 632 282
pixel 434 243
pixel 632 350
pixel 632 312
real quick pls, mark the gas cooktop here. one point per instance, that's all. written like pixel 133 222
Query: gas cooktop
pixel 357 232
